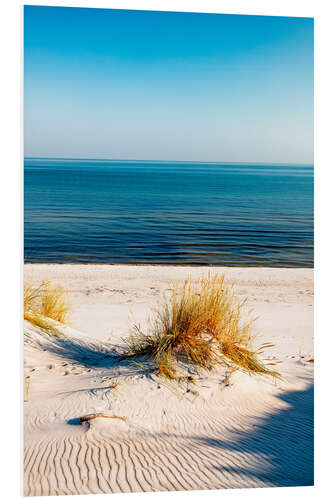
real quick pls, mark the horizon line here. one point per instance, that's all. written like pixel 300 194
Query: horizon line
pixel 165 161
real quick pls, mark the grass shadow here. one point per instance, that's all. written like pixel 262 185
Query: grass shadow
pixel 87 353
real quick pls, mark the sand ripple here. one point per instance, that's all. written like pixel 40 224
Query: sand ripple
pixel 253 434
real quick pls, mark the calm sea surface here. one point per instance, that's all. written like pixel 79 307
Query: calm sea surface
pixel 173 213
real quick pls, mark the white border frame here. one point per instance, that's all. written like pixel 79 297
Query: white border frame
pixel 12 228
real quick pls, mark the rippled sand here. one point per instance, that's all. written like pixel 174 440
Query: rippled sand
pixel 253 433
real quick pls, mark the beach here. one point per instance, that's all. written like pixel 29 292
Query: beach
pixel 163 436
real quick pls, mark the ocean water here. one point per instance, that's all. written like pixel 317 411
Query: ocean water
pixel 98 211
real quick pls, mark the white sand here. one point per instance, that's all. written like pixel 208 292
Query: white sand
pixel 254 433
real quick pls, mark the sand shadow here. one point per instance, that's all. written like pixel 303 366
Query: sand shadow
pixel 86 352
pixel 282 442
pixel 90 353
pixel 74 421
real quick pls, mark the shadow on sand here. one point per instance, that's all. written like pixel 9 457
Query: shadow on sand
pixel 282 442
pixel 88 352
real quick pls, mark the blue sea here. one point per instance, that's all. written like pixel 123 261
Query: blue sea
pixel 100 211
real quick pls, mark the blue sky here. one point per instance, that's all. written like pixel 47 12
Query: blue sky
pixel 167 86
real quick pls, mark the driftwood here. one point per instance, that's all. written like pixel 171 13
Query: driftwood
pixel 91 416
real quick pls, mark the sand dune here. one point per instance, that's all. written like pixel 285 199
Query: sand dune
pixel 175 437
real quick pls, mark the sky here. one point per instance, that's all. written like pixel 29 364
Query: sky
pixel 168 86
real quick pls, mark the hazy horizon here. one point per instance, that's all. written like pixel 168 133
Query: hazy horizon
pixel 129 85
pixel 137 160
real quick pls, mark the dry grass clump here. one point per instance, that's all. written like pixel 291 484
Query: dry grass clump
pixel 26 388
pixel 201 324
pixel 45 302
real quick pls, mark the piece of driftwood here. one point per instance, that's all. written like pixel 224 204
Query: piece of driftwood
pixel 91 416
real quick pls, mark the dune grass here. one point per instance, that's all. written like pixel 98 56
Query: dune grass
pixel 45 304
pixel 203 324
pixel 26 388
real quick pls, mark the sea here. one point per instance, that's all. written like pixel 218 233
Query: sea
pixel 145 212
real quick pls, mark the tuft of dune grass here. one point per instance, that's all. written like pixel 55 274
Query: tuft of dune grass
pixel 26 388
pixel 45 304
pixel 202 323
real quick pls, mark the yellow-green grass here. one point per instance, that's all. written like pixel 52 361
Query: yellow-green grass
pixel 26 388
pixel 45 304
pixel 202 323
